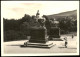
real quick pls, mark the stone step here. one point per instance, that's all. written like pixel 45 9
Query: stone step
pixel 45 45
pixel 48 46
pixel 42 44
pixel 56 39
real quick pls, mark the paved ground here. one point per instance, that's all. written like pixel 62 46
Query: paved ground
pixel 13 47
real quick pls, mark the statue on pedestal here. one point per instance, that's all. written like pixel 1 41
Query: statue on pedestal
pixel 39 34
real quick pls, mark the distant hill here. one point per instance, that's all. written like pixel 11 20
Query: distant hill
pixel 72 14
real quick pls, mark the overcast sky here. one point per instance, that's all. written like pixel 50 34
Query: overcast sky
pixel 17 9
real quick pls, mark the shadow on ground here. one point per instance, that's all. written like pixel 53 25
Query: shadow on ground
pixel 22 46
pixel 35 47
pixel 67 47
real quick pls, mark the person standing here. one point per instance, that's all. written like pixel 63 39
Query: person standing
pixel 72 36
pixel 65 42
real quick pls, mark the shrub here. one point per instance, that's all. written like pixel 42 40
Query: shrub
pixel 12 35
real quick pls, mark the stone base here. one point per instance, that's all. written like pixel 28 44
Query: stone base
pixel 43 45
pixel 57 39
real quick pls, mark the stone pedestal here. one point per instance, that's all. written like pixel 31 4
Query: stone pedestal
pixel 54 33
pixel 39 38
pixel 38 35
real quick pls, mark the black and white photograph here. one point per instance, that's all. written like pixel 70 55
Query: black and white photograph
pixel 30 28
